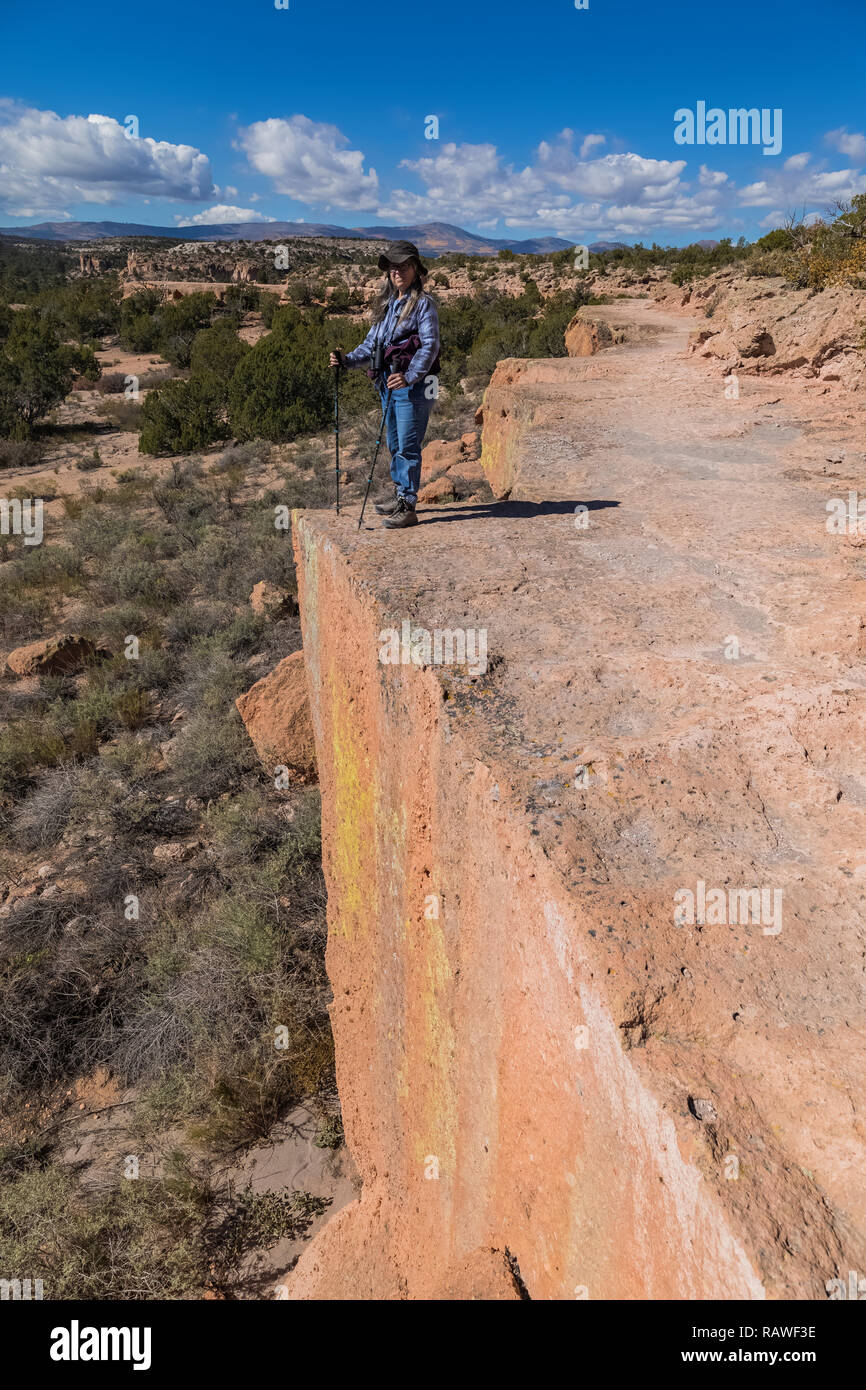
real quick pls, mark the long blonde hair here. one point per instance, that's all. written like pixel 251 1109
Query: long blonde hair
pixel 389 292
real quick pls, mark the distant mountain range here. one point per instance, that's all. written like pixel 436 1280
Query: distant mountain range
pixel 431 238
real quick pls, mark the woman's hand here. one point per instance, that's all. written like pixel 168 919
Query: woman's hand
pixel 336 360
pixel 396 381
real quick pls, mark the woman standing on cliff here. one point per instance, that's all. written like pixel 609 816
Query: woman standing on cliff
pixel 406 324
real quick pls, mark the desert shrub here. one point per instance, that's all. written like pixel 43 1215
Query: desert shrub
pixel 282 387
pixel 96 533
pixel 20 453
pixel 196 618
pixel 215 354
pixel 179 417
pixel 214 750
pixel 179 322
pixel 341 301
pixel 121 412
pixel 149 325
pixel 834 253
pixel 547 336
pixel 26 746
pixel 37 370
pixel 134 1241
pixel 47 491
pixel 171 1237
pixel 248 457
pixel 268 307
pixel 159 376
pixel 111 383
pixel 63 972
pixel 34 584
pixel 219 984
pixel 44 814
pixel 137 577
pixel 86 463
pixel 244 298
pixel 85 309
pixel 114 622
pixel 257 1220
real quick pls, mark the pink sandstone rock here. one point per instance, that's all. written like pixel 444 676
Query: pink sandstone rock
pixel 276 713
pixel 441 490
pixel 534 1056
pixel 53 656
pixel 270 601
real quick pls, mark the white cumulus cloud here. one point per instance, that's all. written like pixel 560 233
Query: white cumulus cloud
pixel 310 161
pixel 222 212
pixel 590 143
pixel 48 161
pixel 846 142
pixel 711 178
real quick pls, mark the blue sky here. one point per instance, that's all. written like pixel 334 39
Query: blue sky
pixel 552 120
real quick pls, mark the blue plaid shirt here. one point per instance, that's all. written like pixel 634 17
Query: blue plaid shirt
pixel 424 320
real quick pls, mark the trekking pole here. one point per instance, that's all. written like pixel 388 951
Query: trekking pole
pixel 375 457
pixel 337 431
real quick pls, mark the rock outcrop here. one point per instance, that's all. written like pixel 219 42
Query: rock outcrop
pixel 585 335
pixel 62 655
pixel 268 600
pixel 246 272
pixel 764 325
pixel 557 1078
pixel 276 714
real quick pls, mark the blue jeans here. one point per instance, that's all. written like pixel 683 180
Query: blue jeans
pixel 406 424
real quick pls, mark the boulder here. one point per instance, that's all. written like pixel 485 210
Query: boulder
pixel 754 340
pixel 61 655
pixel 584 336
pixel 439 455
pixel 440 490
pixel 470 444
pixel 276 713
pixel 270 601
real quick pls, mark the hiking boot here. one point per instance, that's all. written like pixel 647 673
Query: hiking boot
pixel 389 507
pixel 402 516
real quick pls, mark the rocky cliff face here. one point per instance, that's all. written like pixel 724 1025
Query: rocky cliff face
pixel 553 1085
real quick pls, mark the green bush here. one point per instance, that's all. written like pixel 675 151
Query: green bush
pixel 214 356
pixel 137 1240
pixel 149 325
pixel 36 372
pixel 180 417
pixel 282 387
pixel 83 309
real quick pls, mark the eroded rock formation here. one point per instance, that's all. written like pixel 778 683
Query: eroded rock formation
pixel 277 717
pixel 555 1082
